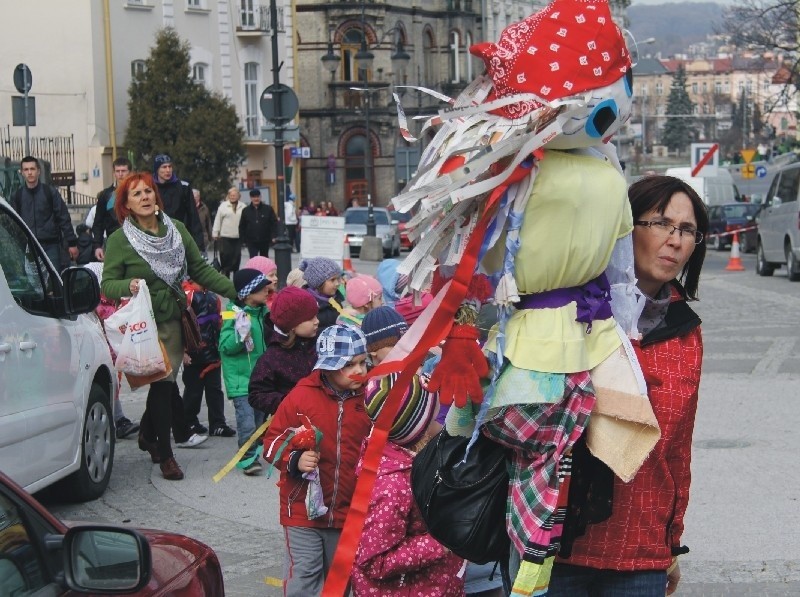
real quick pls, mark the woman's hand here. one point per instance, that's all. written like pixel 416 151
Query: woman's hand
pixel 673 578
pixel 134 286
pixel 309 460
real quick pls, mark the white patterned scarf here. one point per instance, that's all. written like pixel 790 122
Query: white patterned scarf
pixel 165 255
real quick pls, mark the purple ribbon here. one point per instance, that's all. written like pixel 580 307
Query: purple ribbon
pixel 593 300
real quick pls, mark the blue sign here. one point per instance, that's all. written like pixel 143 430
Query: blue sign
pixel 761 171
pixel 296 152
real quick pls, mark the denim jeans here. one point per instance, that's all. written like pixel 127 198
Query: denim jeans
pixel 577 581
pixel 248 419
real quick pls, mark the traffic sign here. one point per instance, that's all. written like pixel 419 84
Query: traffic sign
pixel 748 155
pixel 23 79
pixel 761 171
pixel 705 159
pixel 748 171
pixel 279 103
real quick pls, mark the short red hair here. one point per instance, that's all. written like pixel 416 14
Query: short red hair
pixel 123 188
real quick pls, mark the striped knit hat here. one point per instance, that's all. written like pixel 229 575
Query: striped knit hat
pixel 418 408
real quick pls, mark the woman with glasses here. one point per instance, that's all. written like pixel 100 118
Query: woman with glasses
pixel 634 550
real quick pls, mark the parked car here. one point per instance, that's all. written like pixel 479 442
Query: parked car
pixel 40 555
pixel 779 225
pixel 355 227
pixel 402 219
pixel 727 218
pixel 56 372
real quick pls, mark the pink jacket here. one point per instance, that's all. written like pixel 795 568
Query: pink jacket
pixel 396 555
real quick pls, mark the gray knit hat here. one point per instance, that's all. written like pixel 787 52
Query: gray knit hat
pixel 316 270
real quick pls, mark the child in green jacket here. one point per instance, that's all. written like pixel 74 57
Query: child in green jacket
pixel 241 343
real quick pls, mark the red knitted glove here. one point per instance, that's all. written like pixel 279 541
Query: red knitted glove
pixel 457 376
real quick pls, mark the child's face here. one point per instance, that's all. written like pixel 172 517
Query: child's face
pixel 307 329
pixel 330 285
pixel 377 301
pixel 351 376
pixel 258 298
pixel 273 277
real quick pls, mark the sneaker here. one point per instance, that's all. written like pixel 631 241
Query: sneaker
pixel 199 429
pixel 253 469
pixel 125 427
pixel 222 431
pixel 193 441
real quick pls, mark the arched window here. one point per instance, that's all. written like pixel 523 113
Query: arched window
pixel 429 72
pixel 200 73
pixel 251 98
pixel 351 44
pixel 455 58
pixel 469 57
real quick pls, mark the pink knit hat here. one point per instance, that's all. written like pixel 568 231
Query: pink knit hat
pixel 263 264
pixel 361 289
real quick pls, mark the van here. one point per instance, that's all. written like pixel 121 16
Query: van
pixel 778 240
pixel 713 190
pixel 57 379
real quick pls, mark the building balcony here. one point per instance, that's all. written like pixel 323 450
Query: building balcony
pixel 256 22
pixel 460 5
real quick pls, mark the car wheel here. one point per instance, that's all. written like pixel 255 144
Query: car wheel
pixel 97 450
pixel 792 266
pixel 763 267
pixel 744 246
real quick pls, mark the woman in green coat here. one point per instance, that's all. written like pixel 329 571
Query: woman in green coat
pixel 152 247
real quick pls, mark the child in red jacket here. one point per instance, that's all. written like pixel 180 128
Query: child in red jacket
pixel 331 401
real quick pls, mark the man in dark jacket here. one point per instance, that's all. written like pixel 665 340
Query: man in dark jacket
pixel 257 226
pixel 105 221
pixel 177 197
pixel 44 211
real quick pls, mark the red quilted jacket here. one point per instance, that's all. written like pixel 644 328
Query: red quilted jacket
pixel 344 424
pixel 645 528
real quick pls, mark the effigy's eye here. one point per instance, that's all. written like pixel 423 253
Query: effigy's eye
pixel 602 118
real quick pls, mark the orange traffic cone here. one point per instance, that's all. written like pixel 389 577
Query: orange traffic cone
pixel 347 264
pixel 735 262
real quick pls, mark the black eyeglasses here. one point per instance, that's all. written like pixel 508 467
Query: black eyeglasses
pixel 665 229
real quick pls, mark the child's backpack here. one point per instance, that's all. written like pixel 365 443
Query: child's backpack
pixel 207 307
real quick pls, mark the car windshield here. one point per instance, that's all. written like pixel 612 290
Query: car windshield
pixel 740 211
pixel 401 217
pixel 360 216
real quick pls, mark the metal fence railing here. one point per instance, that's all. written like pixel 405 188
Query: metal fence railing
pixel 74 198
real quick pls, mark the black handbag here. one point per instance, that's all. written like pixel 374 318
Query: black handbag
pixel 215 263
pixel 464 505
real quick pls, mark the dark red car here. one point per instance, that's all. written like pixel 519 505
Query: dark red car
pixel 40 555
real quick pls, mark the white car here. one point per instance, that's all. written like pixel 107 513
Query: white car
pixel 56 374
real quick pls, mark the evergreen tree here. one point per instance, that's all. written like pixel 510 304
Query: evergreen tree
pixel 169 113
pixel 679 128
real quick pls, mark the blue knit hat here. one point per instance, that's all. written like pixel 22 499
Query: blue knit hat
pixel 158 161
pixel 338 345
pixel 316 270
pixel 383 326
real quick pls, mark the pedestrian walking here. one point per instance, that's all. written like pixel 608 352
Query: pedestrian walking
pixel 206 223
pixel 241 344
pixel 634 550
pixel 42 208
pixel 290 215
pixel 291 351
pixel 105 220
pixel 176 194
pixel 226 230
pixel 257 225
pixel 152 246
pixel 331 400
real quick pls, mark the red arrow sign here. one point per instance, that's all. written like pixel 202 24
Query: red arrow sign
pixel 705 159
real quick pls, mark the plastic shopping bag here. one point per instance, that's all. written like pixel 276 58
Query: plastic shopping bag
pixel 140 352
pixel 115 326
pixel 315 505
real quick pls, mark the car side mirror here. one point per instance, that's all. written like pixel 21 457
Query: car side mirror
pixel 81 290
pixel 395 222
pixel 106 560
pixel 776 201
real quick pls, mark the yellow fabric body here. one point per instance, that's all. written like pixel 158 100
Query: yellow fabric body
pixel 577 210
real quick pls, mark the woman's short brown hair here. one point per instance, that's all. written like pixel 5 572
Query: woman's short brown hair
pixel 654 193
pixel 123 188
